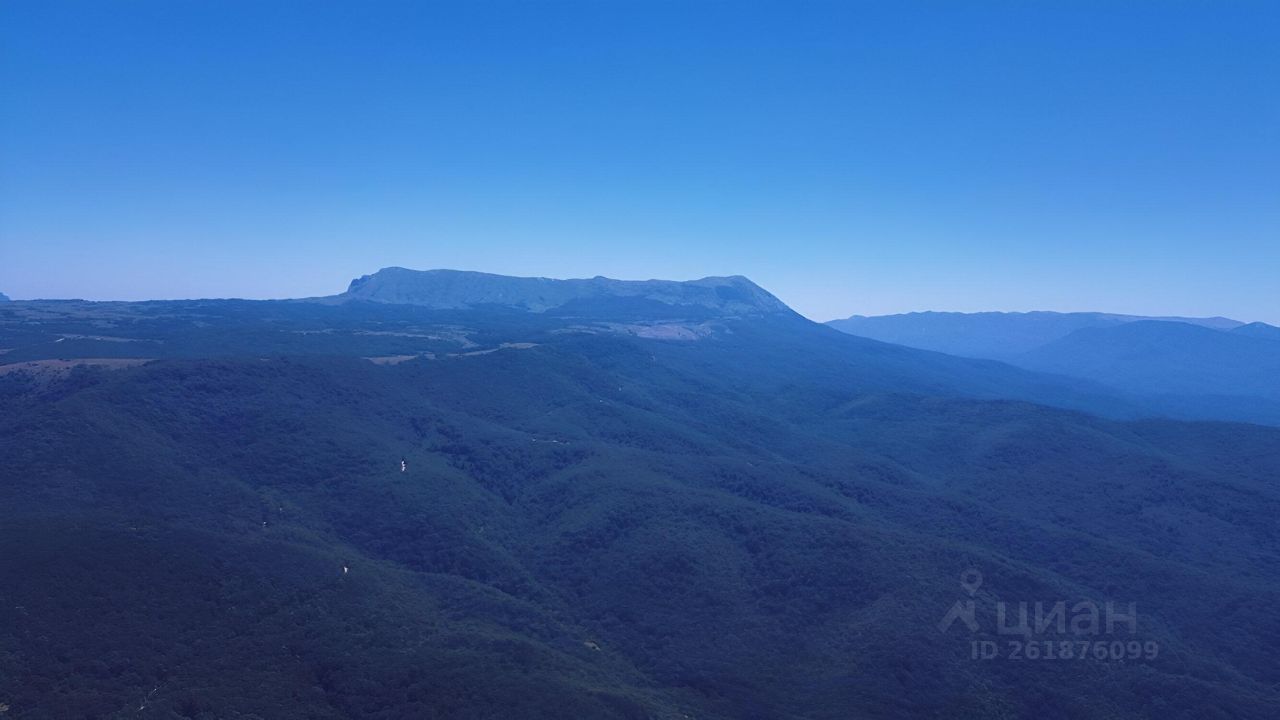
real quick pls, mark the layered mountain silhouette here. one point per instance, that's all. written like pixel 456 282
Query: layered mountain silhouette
pixel 1212 368
pixel 1258 329
pixel 996 335
pixel 616 505
pixel 1165 357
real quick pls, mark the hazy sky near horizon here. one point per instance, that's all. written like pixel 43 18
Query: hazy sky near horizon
pixel 851 157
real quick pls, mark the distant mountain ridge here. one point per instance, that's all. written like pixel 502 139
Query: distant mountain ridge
pixel 1188 367
pixel 3 297
pixel 997 335
pixel 458 289
pixel 1165 358
pixel 1258 329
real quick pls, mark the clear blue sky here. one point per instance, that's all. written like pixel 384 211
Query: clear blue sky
pixel 851 157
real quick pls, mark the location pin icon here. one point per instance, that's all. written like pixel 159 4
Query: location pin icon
pixel 970 581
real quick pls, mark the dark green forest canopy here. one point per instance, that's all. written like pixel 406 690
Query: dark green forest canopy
pixel 608 511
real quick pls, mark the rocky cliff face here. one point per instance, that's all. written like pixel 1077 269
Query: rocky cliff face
pixel 733 295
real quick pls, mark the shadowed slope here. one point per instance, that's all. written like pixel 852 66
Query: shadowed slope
pixel 742 530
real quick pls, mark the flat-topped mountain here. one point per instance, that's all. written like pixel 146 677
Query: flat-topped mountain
pixel 456 289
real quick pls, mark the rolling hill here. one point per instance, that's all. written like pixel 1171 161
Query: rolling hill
pixel 1258 329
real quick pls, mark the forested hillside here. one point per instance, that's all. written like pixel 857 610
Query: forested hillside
pixel 602 514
